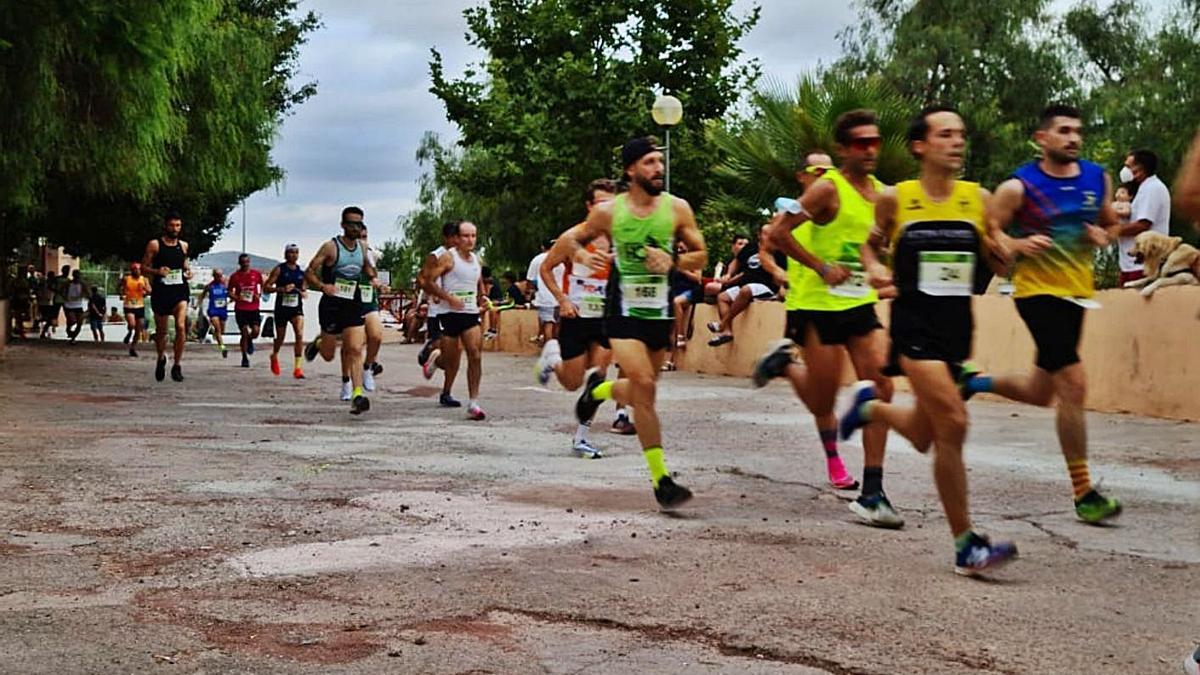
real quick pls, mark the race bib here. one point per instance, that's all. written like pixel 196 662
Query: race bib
pixel 588 295
pixel 246 294
pixel 367 293
pixel 855 286
pixel 220 303
pixel 344 288
pixel 946 273
pixel 645 296
pixel 173 277
pixel 468 297
pixel 291 299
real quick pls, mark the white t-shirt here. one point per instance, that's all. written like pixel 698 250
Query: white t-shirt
pixel 436 308
pixel 1152 203
pixel 544 297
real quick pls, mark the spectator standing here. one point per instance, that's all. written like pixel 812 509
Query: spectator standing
pixel 47 310
pixel 1151 209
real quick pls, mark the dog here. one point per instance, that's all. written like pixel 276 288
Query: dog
pixel 1167 261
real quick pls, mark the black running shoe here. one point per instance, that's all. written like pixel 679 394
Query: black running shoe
pixel 586 406
pixel 176 373
pixel 376 369
pixel 773 363
pixel 670 495
pixel 360 405
pixel 448 401
pixel 423 355
pixel 160 369
pixel 311 350
pixel 132 351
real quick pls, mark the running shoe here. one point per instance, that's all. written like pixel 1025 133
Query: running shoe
pixel 426 350
pixel 376 369
pixel 623 426
pixel 670 495
pixel 275 365
pixel 476 413
pixel 490 335
pixel 176 373
pixel 1095 508
pixel 1191 664
pixel 126 338
pixel 586 406
pixel 132 351
pixel 298 373
pixel 250 346
pixel 851 419
pixel 360 405
pixel 876 510
pixel 430 366
pixel 160 369
pixel 224 352
pixel 245 361
pixel 967 372
pixel 773 363
pixel 981 554
pixel 368 380
pixel 713 326
pixel 586 450
pixel 312 349
pixel 838 476
pixel 720 340
pixel 549 359
pixel 347 391
pixel 448 401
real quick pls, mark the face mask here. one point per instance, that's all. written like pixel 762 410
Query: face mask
pixel 1126 175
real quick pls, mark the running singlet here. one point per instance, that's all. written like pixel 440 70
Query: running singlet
pixel 837 242
pixel 245 288
pixel 343 274
pixel 1059 208
pixel 587 288
pixel 171 257
pixel 369 300
pixel 462 282
pixel 135 292
pixel 436 308
pixel 288 275
pixel 75 299
pixel 632 290
pixel 218 298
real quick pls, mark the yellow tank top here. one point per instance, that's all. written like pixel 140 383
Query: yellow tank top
pixel 837 241
pixel 928 233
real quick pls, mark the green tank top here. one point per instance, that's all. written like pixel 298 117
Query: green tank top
pixel 636 292
pixel 837 241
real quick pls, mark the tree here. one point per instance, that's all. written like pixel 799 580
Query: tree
pixel 564 84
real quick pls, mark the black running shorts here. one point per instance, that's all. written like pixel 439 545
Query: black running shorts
pixel 832 327
pixel 337 314
pixel 576 336
pixel 654 333
pixel 455 323
pixel 1056 326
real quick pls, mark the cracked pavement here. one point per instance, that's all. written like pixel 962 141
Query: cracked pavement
pixel 244 523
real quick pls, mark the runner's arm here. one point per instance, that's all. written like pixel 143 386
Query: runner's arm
pixel 872 251
pixel 819 205
pixel 1002 208
pixel 269 284
pixel 148 257
pixel 203 294
pixel 599 222
pixel 558 254
pixel 688 232
pixel 444 263
pixel 766 256
pixel 1187 187
pixel 312 274
pixel 187 266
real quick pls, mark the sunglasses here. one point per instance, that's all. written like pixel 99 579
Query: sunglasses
pixel 355 223
pixel 865 143
pixel 817 170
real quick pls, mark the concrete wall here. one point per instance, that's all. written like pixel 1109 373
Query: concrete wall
pixel 1141 356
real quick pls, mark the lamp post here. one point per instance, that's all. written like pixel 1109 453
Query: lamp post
pixel 667 112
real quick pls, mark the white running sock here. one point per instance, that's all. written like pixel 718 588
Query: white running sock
pixel 581 433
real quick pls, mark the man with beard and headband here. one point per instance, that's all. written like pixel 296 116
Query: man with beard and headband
pixel 642 225
pixel 166 263
pixel 286 281
pixel 830 307
pixel 1048 220
pixel 336 269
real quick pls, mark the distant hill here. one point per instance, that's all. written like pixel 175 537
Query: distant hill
pixel 227 261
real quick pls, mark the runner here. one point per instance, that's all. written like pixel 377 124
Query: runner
pixel 581 343
pixel 97 306
pixel 456 279
pixel 166 262
pixel 47 311
pixel 830 308
pixel 372 323
pixel 246 288
pixel 934 227
pixel 286 281
pixel 75 304
pixel 543 301
pixel 426 278
pixel 218 308
pixel 336 269
pixel 643 225
pixel 1056 211
pixel 133 290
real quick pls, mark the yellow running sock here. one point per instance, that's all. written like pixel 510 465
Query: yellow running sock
pixel 299 360
pixel 1081 483
pixel 603 391
pixel 658 466
pixel 357 392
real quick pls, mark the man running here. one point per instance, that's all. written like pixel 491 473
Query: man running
pixel 543 301
pixel 456 279
pixel 934 227
pixel 97 306
pixel 642 225
pixel 1056 211
pixel 372 323
pixel 336 270
pixel 433 327
pixel 166 262
pixel 218 308
pixel 134 288
pixel 581 343
pixel 246 288
pixel 830 307
pixel 286 281
pixel 75 304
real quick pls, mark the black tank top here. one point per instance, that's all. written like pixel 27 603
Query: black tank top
pixel 171 257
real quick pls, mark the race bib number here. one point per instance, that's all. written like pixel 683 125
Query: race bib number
pixel 946 273
pixel 344 288
pixel 220 303
pixel 645 296
pixel 367 293
pixel 173 277
pixel 588 295
pixel 467 297
pixel 291 299
pixel 246 294
pixel 855 286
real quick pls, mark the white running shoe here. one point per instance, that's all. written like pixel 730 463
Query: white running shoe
pixel 877 511
pixel 548 361
pixel 430 366
pixel 586 450
pixel 368 380
pixel 347 390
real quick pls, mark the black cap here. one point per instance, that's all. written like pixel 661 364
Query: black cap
pixel 637 148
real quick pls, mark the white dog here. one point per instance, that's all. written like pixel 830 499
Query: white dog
pixel 1167 260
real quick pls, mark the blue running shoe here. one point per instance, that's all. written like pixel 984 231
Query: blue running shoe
pixel 852 420
pixel 981 554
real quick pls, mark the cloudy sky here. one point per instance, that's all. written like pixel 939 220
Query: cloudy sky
pixel 353 143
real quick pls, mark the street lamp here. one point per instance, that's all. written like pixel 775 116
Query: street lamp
pixel 667 112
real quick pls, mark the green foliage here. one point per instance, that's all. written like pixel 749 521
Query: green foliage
pixel 564 84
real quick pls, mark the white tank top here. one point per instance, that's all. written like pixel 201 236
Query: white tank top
pixel 462 281
pixel 436 308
